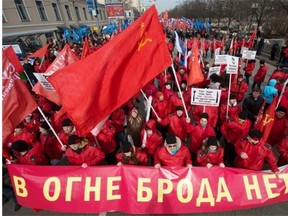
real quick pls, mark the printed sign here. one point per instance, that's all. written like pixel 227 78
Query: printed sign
pixel 205 97
pixel 217 51
pixel 44 82
pixel 15 47
pixel 213 70
pixel 243 49
pixel 233 64
pixel 221 59
pixel 248 54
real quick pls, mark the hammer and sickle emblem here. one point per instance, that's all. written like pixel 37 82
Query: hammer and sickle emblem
pixel 267 119
pixel 143 37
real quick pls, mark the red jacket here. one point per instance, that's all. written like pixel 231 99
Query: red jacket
pixel 257 155
pixel 64 136
pixel 283 151
pixel 250 68
pixel 211 111
pixel 232 112
pixel 176 125
pixel 235 131
pixel 165 158
pixel 155 140
pixel 51 146
pixel 117 120
pixel 90 155
pixel 240 90
pixel 164 78
pixel 161 108
pixel 141 156
pixel 198 135
pixel 167 93
pixel 214 158
pixel 34 156
pixel 277 133
pixel 261 73
pixel 173 102
pixel 106 138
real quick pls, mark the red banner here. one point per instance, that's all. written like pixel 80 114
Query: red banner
pixel 145 190
pixel 115 10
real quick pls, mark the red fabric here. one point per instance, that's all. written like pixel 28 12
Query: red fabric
pixel 150 89
pixel 211 111
pixel 85 49
pixel 161 108
pixel 41 68
pixel 167 93
pixel 57 118
pixel 176 125
pixel 114 78
pixel 261 73
pixel 106 138
pixel 117 120
pixel 33 125
pixel 13 59
pixel 232 112
pixel 240 90
pixel 251 39
pixel 90 155
pixel 257 155
pixel 283 151
pixel 154 141
pixel 214 158
pixel 64 58
pixel 64 136
pixel 198 135
pixel 17 102
pixel 250 67
pixel 34 156
pixel 41 52
pixel 181 158
pixel 51 146
pixel 173 102
pixel 234 131
pixel 195 75
pixel 277 133
pixel 139 154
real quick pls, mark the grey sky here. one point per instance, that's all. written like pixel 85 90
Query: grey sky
pixel 162 5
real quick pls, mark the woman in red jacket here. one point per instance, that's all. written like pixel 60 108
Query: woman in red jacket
pixel 210 154
pixel 260 75
pixel 81 153
pixel 250 66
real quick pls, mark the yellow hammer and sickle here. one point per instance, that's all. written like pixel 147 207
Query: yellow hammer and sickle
pixel 267 119
pixel 143 36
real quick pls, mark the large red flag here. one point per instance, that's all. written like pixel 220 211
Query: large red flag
pixel 114 73
pixel 41 52
pixel 85 49
pixel 13 59
pixel 64 58
pixel 17 102
pixel 195 75
pixel 267 121
pixel 251 39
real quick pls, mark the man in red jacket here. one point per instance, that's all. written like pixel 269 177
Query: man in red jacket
pixel 252 152
pixel 240 89
pixel 81 153
pixel 30 155
pixel 260 75
pixel 250 66
pixel 172 154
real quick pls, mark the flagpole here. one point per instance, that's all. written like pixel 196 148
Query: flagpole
pixel 229 89
pixel 28 79
pixel 178 86
pixel 147 118
pixel 55 134
pixel 282 92
pixel 144 95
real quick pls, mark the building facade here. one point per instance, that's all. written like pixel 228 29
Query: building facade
pixel 34 21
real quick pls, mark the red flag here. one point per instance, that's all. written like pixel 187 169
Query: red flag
pixel 64 58
pixel 266 123
pixel 195 75
pixel 13 59
pixel 231 47
pixel 17 102
pixel 251 39
pixel 258 122
pixel 85 49
pixel 112 79
pixel 41 52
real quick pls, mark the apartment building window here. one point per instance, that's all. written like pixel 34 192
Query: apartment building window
pixel 21 10
pixel 77 13
pixel 56 11
pixel 85 14
pixel 68 12
pixel 41 10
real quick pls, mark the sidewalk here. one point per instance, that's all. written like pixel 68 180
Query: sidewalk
pixel 267 59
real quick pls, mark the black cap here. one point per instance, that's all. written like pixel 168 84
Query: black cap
pixel 20 146
pixel 126 146
pixel 212 140
pixel 256 89
pixel 262 61
pixel 281 109
pixel 179 108
pixel 73 139
pixel 232 96
pixel 204 115
pixel 67 122
pixel 255 134
pixel 44 125
pixel 243 115
pixel 170 138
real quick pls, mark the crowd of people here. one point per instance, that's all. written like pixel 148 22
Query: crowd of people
pixel 208 136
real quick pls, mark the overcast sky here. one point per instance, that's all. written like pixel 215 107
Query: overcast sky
pixel 162 5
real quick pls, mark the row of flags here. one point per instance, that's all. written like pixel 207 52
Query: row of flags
pixel 114 27
pixel 185 23
pixel 76 34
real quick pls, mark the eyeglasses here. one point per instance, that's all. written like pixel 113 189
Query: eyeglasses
pixel 171 146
